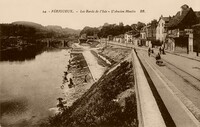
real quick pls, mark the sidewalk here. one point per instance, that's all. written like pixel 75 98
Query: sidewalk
pixel 192 56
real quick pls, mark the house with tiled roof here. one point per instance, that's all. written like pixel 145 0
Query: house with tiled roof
pixel 179 37
pixel 161 30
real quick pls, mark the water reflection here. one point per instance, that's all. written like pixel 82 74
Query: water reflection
pixel 13 106
pixel 22 53
pixel 29 89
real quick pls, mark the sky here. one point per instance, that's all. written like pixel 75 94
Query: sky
pixel 34 11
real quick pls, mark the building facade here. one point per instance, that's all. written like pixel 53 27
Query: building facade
pixel 119 38
pixel 179 37
pixel 161 30
pixel 128 37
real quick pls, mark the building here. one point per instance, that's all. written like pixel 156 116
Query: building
pixel 143 36
pixel 148 34
pixel 119 38
pixel 136 39
pixel 110 38
pixel 180 37
pixel 161 30
pixel 196 34
pixel 128 36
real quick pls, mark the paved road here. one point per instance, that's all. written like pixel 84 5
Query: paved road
pixel 179 77
pixel 178 84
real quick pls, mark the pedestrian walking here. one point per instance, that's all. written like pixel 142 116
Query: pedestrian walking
pixel 149 51
pixel 160 49
pixel 163 50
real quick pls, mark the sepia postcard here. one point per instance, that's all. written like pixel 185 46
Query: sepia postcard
pixel 99 63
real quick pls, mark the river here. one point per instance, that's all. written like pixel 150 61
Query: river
pixel 30 87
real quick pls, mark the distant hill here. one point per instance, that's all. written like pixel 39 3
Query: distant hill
pixel 72 31
pixel 53 28
pixel 60 29
pixel 30 24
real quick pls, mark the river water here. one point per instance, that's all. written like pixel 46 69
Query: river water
pixel 30 87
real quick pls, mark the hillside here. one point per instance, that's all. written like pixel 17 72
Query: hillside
pixel 54 28
pixel 27 23
pixel 60 29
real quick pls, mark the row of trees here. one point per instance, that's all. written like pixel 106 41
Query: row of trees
pixel 111 29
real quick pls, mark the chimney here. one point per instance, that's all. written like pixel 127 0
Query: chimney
pixel 184 7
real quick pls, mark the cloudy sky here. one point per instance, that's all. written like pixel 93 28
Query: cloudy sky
pixel 33 10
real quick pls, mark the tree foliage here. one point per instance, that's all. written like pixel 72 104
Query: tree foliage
pixel 140 25
pixel 89 31
pixel 106 29
pixel 111 29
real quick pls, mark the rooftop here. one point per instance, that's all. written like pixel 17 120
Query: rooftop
pixel 177 20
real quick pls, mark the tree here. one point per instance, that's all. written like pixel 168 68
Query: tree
pixel 89 31
pixel 154 23
pixel 140 25
pixel 134 26
pixel 127 28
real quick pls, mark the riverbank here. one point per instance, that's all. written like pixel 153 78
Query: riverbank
pixel 108 102
pixel 114 54
pixel 76 79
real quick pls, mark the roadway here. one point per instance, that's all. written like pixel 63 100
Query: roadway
pixel 178 85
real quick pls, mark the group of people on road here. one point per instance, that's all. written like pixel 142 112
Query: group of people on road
pixel 161 51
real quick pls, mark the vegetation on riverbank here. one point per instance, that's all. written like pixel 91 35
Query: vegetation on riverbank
pixel 109 102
